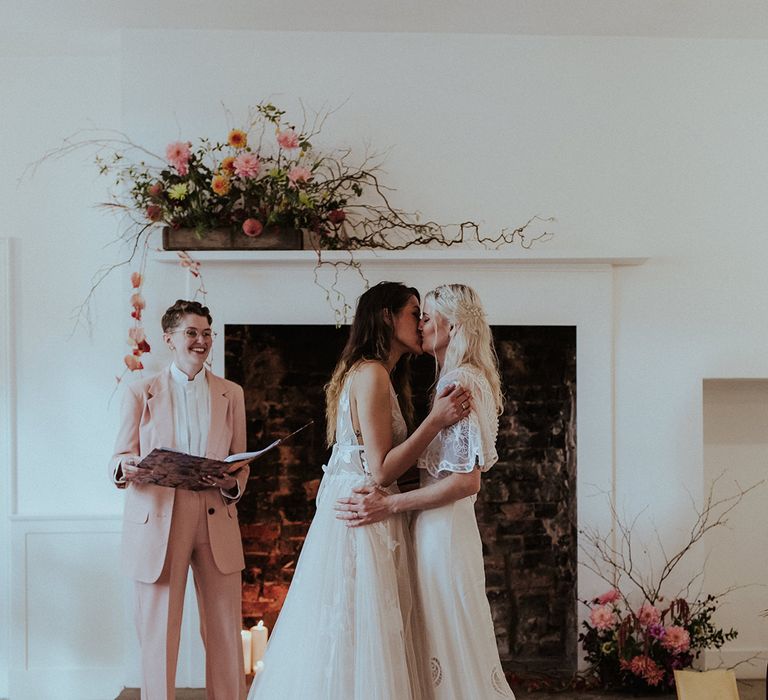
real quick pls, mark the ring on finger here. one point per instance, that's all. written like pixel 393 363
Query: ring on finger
pixel 464 405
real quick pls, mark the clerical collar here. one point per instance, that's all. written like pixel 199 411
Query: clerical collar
pixel 181 378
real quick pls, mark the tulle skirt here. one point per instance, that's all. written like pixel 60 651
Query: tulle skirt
pixel 348 629
pixel 459 637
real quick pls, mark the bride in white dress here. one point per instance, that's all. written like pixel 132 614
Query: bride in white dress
pixel 348 629
pixel 450 577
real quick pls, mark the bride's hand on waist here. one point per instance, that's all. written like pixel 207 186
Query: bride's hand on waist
pixel 366 505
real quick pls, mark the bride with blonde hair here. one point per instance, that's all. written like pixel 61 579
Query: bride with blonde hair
pixel 450 578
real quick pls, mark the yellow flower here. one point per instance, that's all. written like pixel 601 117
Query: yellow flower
pixel 237 138
pixel 178 191
pixel 220 185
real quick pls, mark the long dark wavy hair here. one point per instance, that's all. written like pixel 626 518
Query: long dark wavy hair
pixel 370 338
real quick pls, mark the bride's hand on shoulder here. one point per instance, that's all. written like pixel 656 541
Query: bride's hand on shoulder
pixel 366 505
pixel 453 404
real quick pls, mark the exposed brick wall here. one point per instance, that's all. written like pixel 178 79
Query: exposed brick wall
pixel 526 508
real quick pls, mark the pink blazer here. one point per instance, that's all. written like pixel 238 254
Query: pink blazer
pixel 147 423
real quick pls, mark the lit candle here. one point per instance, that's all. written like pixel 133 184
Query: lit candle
pixel 258 667
pixel 259 634
pixel 246 636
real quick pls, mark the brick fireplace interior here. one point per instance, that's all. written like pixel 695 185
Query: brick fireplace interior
pixel 526 508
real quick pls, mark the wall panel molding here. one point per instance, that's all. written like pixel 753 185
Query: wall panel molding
pixel 7 455
pixel 68 625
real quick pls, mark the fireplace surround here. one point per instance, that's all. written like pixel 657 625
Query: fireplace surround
pixel 277 288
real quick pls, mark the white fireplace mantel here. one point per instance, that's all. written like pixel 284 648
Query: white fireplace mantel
pixel 408 257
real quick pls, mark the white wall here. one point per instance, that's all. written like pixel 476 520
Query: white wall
pixel 638 147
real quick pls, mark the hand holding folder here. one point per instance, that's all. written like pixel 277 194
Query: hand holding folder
pixel 165 467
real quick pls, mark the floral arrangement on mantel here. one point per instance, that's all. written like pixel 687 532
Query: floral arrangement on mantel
pixel 265 178
pixel 635 637
pixel 268 176
pixel 252 182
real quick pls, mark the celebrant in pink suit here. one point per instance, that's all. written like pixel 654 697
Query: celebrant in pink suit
pixel 165 530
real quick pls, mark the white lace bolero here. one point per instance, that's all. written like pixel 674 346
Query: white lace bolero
pixel 471 442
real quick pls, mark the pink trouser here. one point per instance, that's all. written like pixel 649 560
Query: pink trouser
pixel 158 609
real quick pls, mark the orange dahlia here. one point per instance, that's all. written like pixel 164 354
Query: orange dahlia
pixel 237 138
pixel 220 185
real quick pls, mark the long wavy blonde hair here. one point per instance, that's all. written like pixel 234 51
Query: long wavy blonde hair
pixel 370 338
pixel 471 341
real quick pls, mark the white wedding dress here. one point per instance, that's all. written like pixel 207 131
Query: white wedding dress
pixel 347 628
pixel 460 640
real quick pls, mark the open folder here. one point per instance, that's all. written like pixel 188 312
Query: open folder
pixel 166 467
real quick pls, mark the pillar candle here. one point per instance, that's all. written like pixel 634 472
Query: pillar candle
pixel 259 634
pixel 246 635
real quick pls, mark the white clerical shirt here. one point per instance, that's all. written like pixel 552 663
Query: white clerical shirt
pixel 191 411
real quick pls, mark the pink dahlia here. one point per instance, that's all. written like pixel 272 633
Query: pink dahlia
pixel 246 165
pixel 602 617
pixel 178 155
pixel 288 139
pixel 648 615
pixel 677 639
pixel 646 668
pixel 299 174
pixel 609 597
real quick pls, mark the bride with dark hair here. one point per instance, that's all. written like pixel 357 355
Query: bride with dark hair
pixel 450 575
pixel 348 629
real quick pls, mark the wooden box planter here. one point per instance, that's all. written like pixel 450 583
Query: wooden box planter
pixel 227 239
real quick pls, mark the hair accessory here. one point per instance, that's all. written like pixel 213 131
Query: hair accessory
pixel 469 313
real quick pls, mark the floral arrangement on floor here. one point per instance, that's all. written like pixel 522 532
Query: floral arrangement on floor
pixel 640 648
pixel 634 636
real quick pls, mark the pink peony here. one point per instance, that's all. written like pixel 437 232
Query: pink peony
pixel 246 165
pixel 136 335
pixel 677 639
pixel 288 138
pixel 137 301
pixel 299 174
pixel 132 363
pixel 252 227
pixel 602 617
pixel 648 615
pixel 178 154
pixel 609 597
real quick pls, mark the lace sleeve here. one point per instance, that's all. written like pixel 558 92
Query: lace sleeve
pixel 470 443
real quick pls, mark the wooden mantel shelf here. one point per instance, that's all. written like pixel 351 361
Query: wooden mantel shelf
pixel 400 257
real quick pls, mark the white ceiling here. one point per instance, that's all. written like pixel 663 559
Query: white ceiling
pixel 743 19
